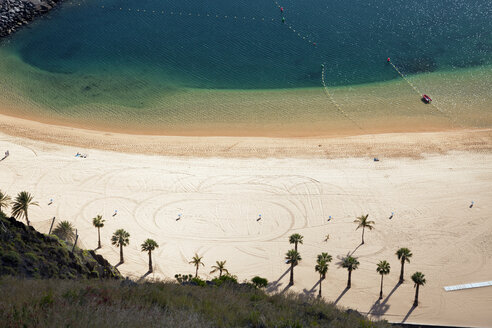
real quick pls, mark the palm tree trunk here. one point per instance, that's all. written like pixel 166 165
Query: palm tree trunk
pixel 291 282
pixel 381 291
pixel 295 246
pixel 320 283
pixel 121 254
pixel 401 271
pixel 416 301
pixel 98 237
pixel 150 261
pixel 363 228
pixel 196 272
pixel 349 282
pixel 27 218
pixel 220 273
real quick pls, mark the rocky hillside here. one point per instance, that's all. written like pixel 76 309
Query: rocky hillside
pixel 24 252
pixel 15 13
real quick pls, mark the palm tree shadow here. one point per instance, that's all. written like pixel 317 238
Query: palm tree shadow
pixel 312 290
pixel 379 308
pixel 144 276
pixel 341 295
pixel 286 288
pixel 409 313
pixel 275 285
pixel 117 265
pixel 356 249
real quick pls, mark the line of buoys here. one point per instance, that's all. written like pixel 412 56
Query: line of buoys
pixel 328 94
pixel 283 20
pixel 181 13
pixel 388 60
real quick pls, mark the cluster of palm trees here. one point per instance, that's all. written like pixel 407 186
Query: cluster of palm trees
pixel 121 238
pixel 20 205
pixel 219 266
pixel 351 263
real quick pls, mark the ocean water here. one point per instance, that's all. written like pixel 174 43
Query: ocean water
pixel 172 64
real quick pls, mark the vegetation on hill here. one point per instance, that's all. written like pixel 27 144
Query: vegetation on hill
pixel 24 252
pixel 110 303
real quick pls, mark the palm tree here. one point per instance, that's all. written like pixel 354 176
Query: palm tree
pixel 404 255
pixel 364 223
pixel 148 246
pixel 4 200
pixel 351 264
pixel 219 267
pixel 322 268
pixel 326 258
pixel 419 280
pixel 119 239
pixel 196 261
pixel 64 230
pixel 21 205
pixel 98 222
pixel 293 258
pixel 295 239
pixel 383 269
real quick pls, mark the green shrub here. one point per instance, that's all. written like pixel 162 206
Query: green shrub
pixel 259 282
pixel 11 258
pixel 183 277
pixel 30 258
pixel 225 279
pixel 199 282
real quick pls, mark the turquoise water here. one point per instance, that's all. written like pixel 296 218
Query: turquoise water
pixel 352 37
pixel 109 60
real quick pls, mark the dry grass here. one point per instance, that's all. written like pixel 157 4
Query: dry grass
pixel 99 303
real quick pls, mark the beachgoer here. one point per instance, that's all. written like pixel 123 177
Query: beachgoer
pixel 472 203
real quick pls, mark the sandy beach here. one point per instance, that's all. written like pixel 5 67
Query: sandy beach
pixel 220 186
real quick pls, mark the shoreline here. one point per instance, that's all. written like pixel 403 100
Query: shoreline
pixel 384 144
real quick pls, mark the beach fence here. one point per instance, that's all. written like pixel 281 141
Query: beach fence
pixel 47 226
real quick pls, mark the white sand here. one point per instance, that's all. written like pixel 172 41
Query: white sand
pixel 220 200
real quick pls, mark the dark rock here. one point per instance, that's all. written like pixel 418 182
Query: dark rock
pixel 16 13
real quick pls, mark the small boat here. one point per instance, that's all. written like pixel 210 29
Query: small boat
pixel 426 99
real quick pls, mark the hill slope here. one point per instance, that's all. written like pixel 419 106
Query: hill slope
pixel 24 252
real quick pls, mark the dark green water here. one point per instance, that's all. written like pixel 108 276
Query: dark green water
pixel 128 53
pixel 353 38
